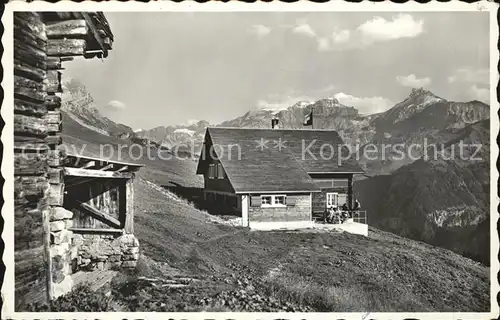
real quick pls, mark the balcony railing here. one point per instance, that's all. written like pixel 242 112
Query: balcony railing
pixel 358 216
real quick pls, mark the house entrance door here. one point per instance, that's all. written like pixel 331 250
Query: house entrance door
pixel 335 199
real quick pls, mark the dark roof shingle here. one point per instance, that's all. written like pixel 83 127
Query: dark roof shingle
pixel 276 160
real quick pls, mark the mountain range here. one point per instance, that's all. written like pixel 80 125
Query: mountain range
pixel 440 200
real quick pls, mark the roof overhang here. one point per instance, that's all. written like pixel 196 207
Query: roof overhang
pixel 337 172
pixel 278 191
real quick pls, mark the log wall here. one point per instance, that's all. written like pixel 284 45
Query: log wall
pixel 44 241
pixel 42 236
pixel 31 183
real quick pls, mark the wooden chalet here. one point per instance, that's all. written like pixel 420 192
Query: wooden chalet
pixel 72 212
pixel 276 178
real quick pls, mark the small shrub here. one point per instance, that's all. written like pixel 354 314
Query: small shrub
pixel 82 298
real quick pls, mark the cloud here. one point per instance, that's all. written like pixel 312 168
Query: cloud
pixel 337 37
pixel 470 75
pixel 375 30
pixel 401 26
pixel 412 81
pixel 304 29
pixel 481 94
pixel 366 105
pixel 259 30
pixel 115 104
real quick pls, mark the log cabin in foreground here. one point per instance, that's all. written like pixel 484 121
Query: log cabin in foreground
pixel 275 178
pixel 72 212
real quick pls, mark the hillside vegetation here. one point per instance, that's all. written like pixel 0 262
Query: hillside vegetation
pixel 442 202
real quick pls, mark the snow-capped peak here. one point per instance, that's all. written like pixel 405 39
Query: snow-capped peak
pixel 184 131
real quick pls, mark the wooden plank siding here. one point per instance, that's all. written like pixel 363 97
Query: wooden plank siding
pixel 103 195
pixel 218 184
pixel 300 210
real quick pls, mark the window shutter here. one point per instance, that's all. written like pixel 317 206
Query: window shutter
pixel 255 201
pixel 291 200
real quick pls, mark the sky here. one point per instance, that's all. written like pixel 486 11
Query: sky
pixel 169 68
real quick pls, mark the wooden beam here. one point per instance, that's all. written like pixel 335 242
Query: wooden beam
pixel 53 139
pixel 29 108
pixel 109 166
pixel 30 125
pixel 52 102
pixel 53 117
pixel 54 63
pixel 66 29
pixel 78 172
pixel 30 163
pixel 25 70
pixel 104 217
pixel 31 55
pixel 122 169
pixel 25 88
pixel 95 32
pixel 129 205
pixel 100 230
pixel 89 164
pixel 66 47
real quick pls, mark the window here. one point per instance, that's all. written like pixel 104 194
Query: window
pixel 273 201
pixel 335 199
pixel 220 171
pixel 211 171
pixel 265 200
pixel 331 199
pixel 279 200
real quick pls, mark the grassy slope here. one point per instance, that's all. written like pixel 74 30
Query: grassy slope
pixel 332 271
pixel 328 271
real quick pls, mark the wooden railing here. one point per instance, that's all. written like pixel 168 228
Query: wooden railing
pixel 358 216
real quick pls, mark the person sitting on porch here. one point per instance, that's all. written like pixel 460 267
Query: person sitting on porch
pixel 346 211
pixel 333 214
pixel 344 216
pixel 357 205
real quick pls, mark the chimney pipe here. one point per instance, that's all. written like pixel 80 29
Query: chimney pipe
pixel 274 122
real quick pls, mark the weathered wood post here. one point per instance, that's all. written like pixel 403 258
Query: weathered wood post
pixel 244 209
pixel 350 191
pixel 129 213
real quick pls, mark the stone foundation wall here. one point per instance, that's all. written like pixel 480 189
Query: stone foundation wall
pixel 61 220
pixel 104 251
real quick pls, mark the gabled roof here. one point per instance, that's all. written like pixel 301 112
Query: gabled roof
pixel 254 161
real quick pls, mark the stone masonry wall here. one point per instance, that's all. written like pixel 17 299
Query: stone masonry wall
pixel 105 251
